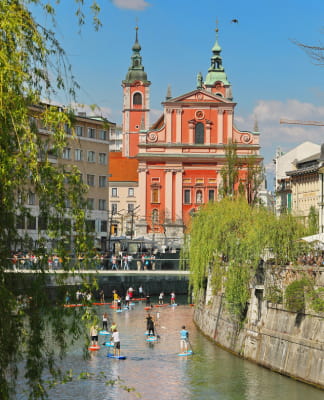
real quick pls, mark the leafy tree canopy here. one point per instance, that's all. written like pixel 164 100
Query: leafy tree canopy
pixel 33 66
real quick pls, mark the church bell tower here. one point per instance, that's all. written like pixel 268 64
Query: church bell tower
pixel 136 102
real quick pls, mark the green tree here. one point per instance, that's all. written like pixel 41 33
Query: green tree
pixel 33 66
pixel 230 171
pixel 312 222
pixel 232 183
pixel 226 241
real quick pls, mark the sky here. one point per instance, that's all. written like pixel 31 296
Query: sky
pixel 271 77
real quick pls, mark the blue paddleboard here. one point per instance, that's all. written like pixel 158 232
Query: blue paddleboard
pixel 117 357
pixel 119 310
pixel 109 344
pixel 186 353
pixel 104 333
pixel 151 339
pixel 173 305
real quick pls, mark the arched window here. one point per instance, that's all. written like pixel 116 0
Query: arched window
pixel 199 133
pixel 137 99
pixel 155 217
pixel 199 197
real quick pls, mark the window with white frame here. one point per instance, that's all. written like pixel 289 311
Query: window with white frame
pixel 211 194
pixel 187 196
pixel 79 130
pixel 91 133
pixel 78 155
pixel 114 208
pixel 102 181
pixel 102 158
pixel 91 156
pixel 90 180
pixel 90 204
pixel 103 226
pixel 155 194
pixel 130 192
pixel 67 129
pixel 31 198
pixel 130 208
pixel 114 192
pixel 102 204
pixel 66 153
pixel 102 134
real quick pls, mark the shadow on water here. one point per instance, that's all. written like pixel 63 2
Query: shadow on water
pixel 156 371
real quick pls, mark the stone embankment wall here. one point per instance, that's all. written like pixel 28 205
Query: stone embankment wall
pixel 283 341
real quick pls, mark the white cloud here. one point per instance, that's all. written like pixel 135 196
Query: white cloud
pixel 286 136
pixel 131 4
pixel 92 110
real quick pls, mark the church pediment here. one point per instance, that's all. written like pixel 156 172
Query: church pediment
pixel 198 95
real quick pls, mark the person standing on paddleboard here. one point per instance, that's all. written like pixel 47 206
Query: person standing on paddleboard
pixel 105 321
pixel 173 297
pixel 116 340
pixel 113 327
pixel 161 296
pixel 184 338
pixel 94 335
pixel 150 325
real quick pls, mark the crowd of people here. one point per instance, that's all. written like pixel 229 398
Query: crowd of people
pixel 150 321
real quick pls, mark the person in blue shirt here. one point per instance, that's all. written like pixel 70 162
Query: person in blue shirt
pixel 184 338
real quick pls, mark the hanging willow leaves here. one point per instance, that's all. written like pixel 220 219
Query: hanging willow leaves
pixel 226 241
pixel 33 66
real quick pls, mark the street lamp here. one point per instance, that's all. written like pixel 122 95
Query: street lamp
pixel 132 221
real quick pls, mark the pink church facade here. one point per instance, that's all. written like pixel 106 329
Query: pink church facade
pixel 181 155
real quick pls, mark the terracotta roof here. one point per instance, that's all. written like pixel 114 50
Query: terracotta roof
pixel 122 169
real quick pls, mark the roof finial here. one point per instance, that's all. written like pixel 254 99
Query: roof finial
pixel 217 22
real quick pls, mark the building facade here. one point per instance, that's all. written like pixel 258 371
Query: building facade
pixel 297 180
pixel 87 149
pixel 181 156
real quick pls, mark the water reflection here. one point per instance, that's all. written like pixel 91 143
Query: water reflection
pixel 156 371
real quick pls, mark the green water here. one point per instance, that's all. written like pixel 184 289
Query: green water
pixel 156 371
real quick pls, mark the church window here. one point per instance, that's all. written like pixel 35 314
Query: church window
pixel 155 195
pixel 199 133
pixel 155 216
pixel 199 197
pixel 211 194
pixel 187 196
pixel 137 99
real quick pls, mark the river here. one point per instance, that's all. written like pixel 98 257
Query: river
pixel 156 372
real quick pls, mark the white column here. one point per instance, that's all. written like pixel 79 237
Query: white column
pixel 178 200
pixel 178 126
pixel 142 191
pixel 168 125
pixel 229 124
pixel 168 194
pixel 220 124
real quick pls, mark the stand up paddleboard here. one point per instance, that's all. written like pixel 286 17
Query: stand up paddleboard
pixel 109 344
pixel 151 339
pixel 117 357
pixel 186 353
pixel 104 333
pixel 94 347
pixel 119 310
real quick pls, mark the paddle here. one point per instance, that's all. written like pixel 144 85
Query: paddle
pixel 190 345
